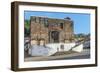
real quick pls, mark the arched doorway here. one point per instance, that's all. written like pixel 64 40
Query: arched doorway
pixel 54 36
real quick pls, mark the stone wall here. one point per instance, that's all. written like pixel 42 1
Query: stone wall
pixel 41 28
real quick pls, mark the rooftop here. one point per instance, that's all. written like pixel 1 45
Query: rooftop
pixel 67 18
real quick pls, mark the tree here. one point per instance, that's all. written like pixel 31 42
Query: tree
pixel 27 28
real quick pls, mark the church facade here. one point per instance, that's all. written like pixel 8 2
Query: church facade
pixel 51 30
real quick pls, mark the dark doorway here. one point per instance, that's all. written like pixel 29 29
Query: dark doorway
pixel 55 36
pixel 61 25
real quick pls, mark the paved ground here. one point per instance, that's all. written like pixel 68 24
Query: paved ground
pixel 62 55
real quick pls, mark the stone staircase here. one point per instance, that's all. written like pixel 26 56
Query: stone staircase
pixel 63 53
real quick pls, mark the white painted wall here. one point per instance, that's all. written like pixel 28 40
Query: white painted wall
pixel 36 50
pixel 52 48
pixel 56 46
pixel 78 48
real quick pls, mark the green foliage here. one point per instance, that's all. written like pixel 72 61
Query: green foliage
pixel 27 28
pixel 27 24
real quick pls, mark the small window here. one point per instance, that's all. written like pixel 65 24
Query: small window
pixel 37 19
pixel 33 19
pixel 46 22
pixel 61 25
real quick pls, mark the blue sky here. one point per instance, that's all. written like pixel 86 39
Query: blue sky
pixel 81 21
